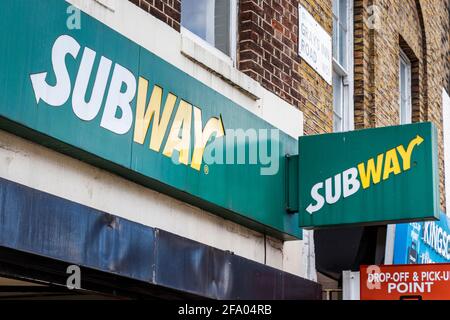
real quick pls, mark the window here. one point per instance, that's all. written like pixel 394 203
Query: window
pixel 342 65
pixel 405 89
pixel 340 31
pixel 213 21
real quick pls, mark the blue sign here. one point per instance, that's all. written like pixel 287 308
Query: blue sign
pixel 423 242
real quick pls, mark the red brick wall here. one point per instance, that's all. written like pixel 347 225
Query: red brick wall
pixel 267 52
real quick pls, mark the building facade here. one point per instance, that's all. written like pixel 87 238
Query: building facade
pixel 372 42
pixel 390 63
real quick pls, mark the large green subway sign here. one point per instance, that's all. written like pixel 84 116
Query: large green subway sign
pixel 373 176
pixel 95 95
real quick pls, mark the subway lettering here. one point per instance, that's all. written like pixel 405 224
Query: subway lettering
pixel 366 174
pixel 117 115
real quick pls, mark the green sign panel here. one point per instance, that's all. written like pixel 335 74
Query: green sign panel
pixel 373 176
pixel 93 94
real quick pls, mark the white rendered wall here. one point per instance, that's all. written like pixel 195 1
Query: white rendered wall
pixel 44 169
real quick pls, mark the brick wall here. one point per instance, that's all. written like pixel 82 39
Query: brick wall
pixel 419 27
pixel 267 52
pixel 363 78
pixel 437 26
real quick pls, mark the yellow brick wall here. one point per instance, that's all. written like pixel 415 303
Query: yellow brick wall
pixel 421 29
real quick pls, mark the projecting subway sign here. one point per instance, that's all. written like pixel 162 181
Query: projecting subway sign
pixel 369 176
pixel 314 44
pixel 100 97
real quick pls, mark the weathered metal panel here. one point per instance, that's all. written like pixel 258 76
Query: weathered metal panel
pixel 44 225
pixel 188 265
pixel 262 282
pixel 49 226
pixel 293 289
pixel 181 264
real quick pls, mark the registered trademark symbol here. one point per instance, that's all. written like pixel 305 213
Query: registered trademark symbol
pixel 206 169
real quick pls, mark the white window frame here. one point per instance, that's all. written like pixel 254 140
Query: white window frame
pixel 347 76
pixel 229 59
pixel 403 58
pixel 408 106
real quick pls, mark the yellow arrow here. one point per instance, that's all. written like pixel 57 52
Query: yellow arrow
pixel 417 140
pixel 406 154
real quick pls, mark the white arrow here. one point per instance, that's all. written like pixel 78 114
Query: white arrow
pixel 39 86
pixel 58 94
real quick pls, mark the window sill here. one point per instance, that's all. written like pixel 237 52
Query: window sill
pixel 218 63
pixel 339 68
pixel 108 4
